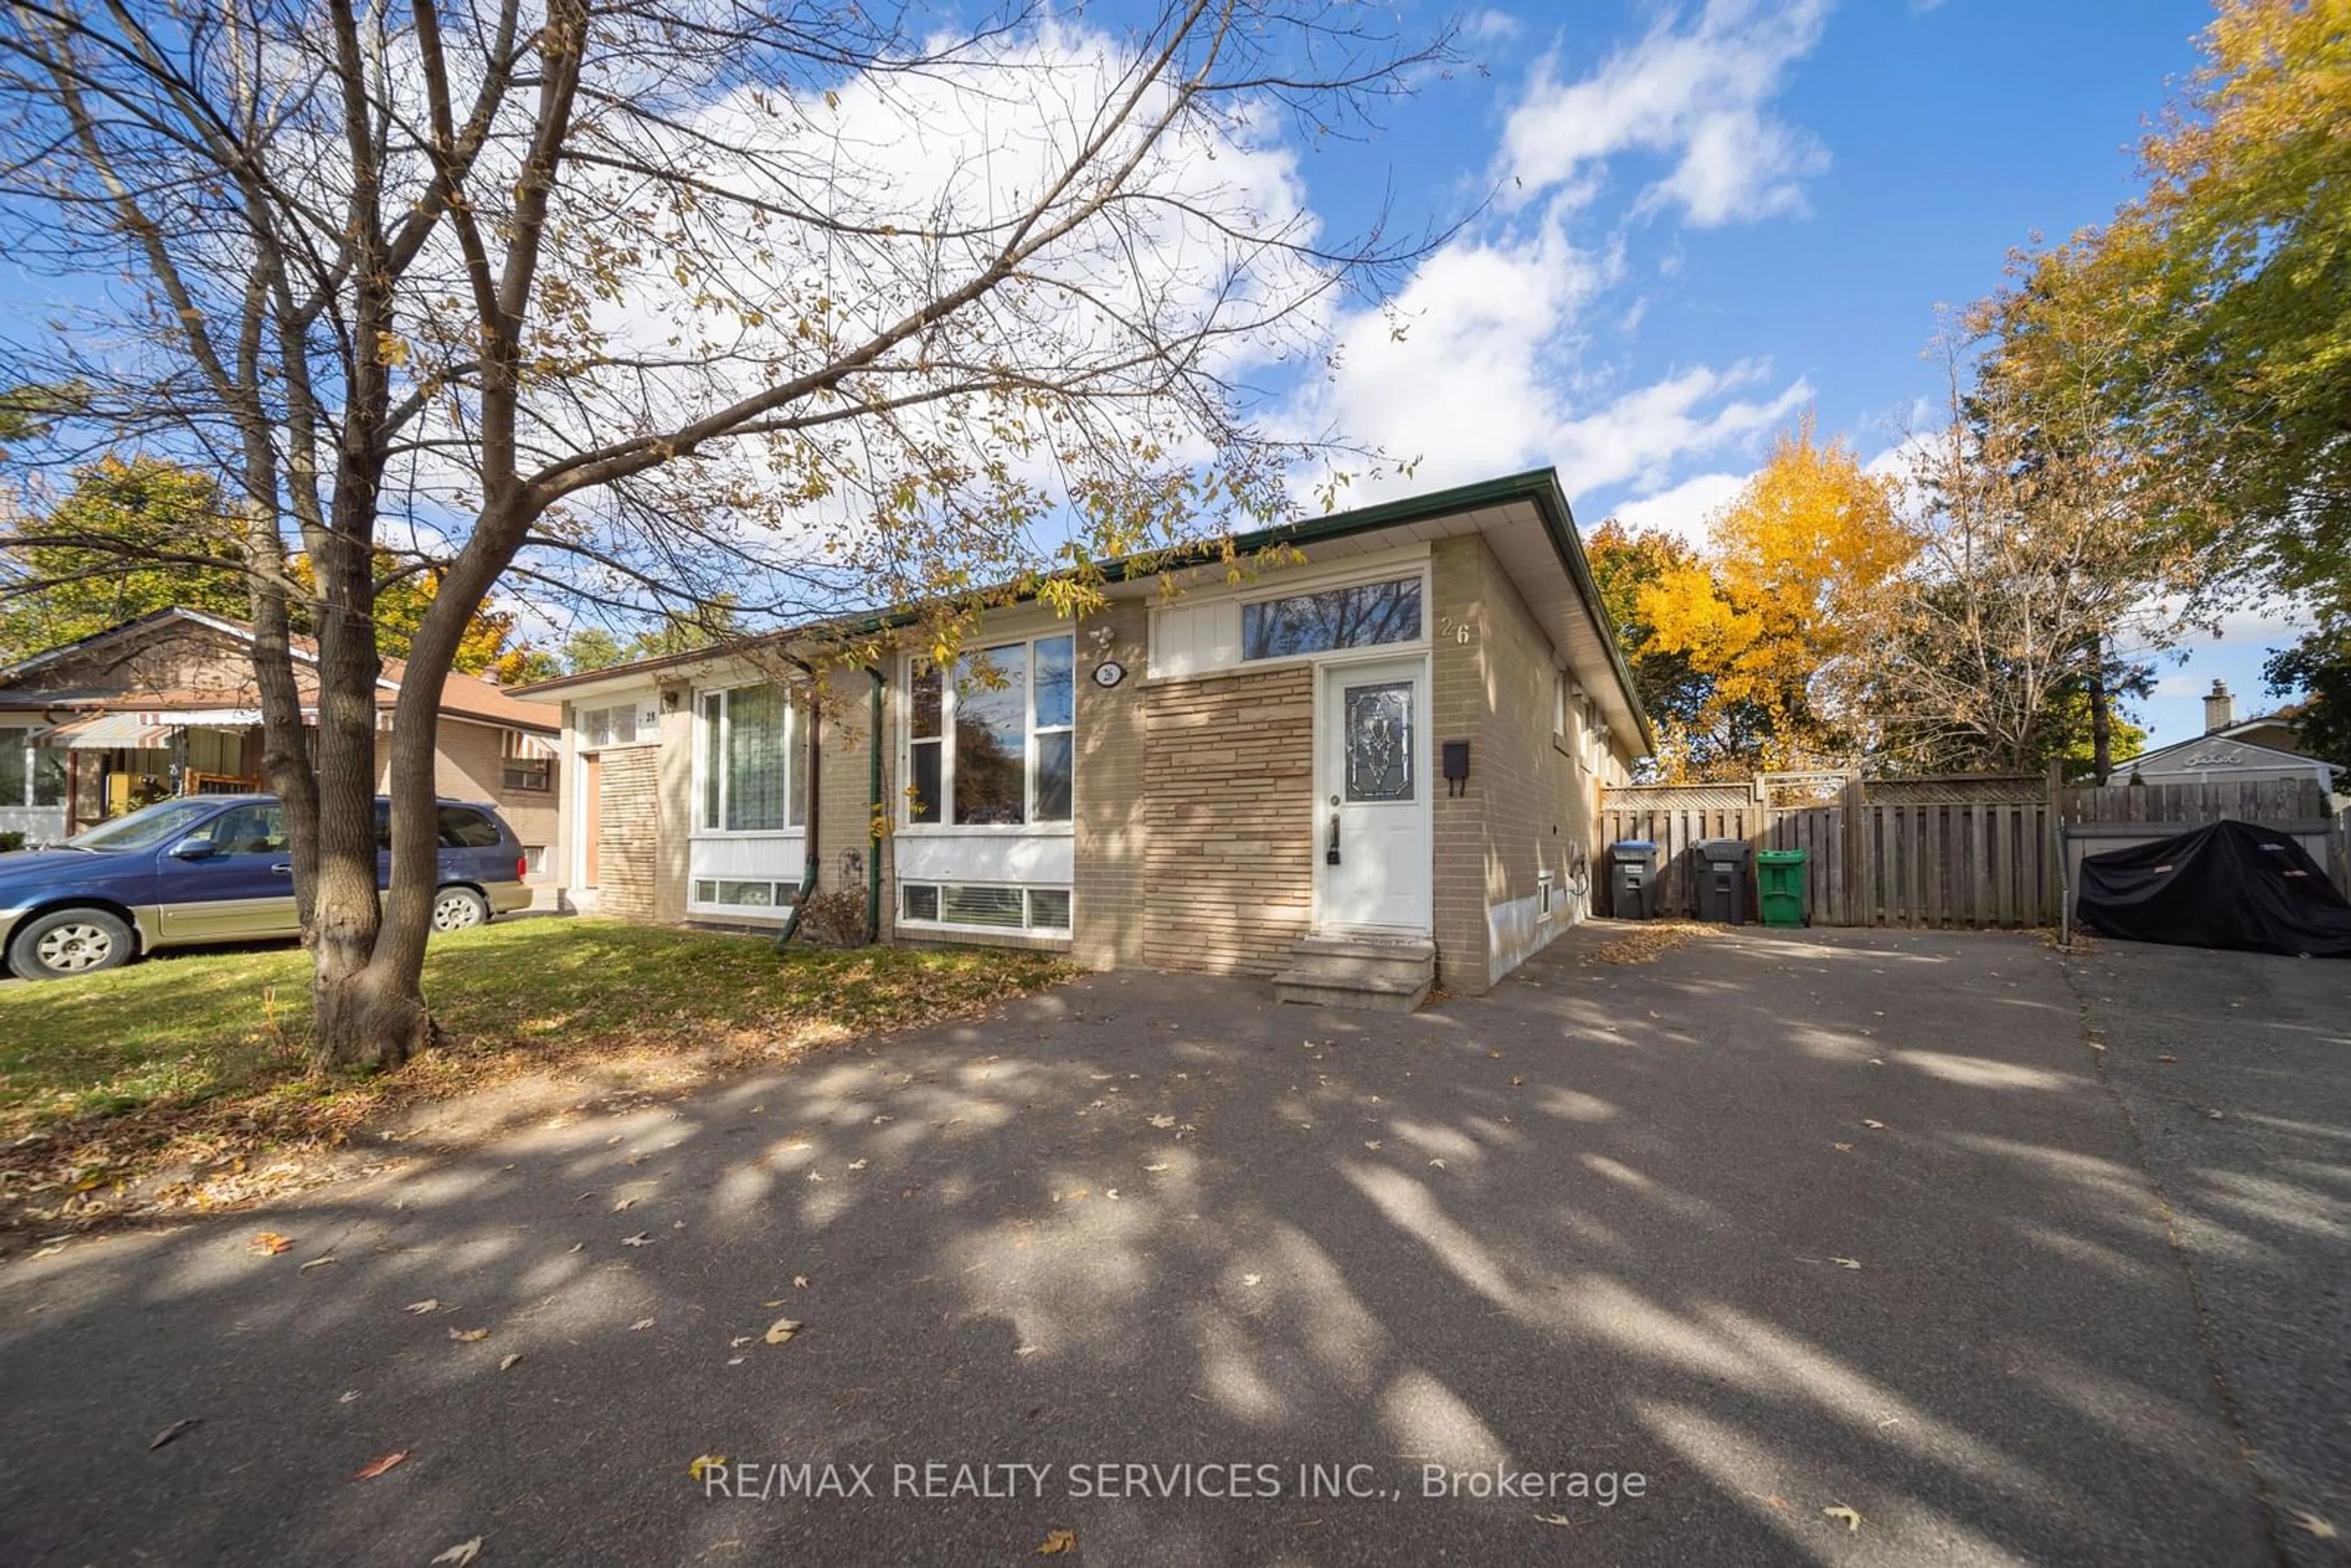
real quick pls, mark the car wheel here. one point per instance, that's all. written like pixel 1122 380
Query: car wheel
pixel 459 909
pixel 68 942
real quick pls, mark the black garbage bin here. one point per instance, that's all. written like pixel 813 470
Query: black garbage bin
pixel 1718 871
pixel 1633 879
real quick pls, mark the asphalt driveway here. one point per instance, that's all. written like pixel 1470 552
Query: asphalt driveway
pixel 1857 1221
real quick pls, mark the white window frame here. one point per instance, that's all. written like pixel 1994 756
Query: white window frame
pixel 945 740
pixel 640 733
pixel 795 740
pixel 1028 891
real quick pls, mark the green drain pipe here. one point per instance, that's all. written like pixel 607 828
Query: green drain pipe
pixel 874 815
pixel 808 839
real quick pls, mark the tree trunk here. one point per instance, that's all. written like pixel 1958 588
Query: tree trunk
pixel 2102 715
pixel 369 999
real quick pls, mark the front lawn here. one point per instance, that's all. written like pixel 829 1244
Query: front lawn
pixel 199 1060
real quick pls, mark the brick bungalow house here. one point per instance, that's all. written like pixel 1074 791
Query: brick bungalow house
pixel 1356 775
pixel 165 705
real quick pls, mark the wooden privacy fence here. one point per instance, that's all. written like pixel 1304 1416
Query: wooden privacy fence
pixel 1974 851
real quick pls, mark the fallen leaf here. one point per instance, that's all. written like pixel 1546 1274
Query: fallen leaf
pixel 857 1164
pixel 506 1363
pixel 1517 1081
pixel 2167 1056
pixel 639 1324
pixel 1844 1148
pixel 641 1238
pixel 347 1396
pixel 2316 1526
pixel 799 1282
pixel 376 1467
pixel 420 1308
pixel 1846 1517
pixel 1060 1541
pixel 315 1263
pixel 1846 1263
pixel 1110 1193
pixel 782 1331
pixel 1436 1165
pixel 1162 1122
pixel 173 1430
pixel 623 1206
pixel 1879 1126
pixel 1160 1166
pixel 464 1552
pixel 707 1462
pixel 1372 1145
pixel 269 1243
pixel 1252 1278
pixel 469 1336
pixel 1554 1519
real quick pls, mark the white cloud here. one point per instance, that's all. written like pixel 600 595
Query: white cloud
pixel 1696 93
pixel 1491 27
pixel 1479 365
pixel 1687 511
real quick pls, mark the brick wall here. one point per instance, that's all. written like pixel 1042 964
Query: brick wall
pixel 843 812
pixel 1459 707
pixel 1227 878
pixel 1531 822
pixel 1527 807
pixel 629 812
pixel 1107 909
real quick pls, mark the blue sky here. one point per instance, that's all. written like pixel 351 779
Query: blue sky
pixel 1709 218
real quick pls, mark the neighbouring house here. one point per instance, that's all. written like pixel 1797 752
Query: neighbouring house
pixel 1354 775
pixel 166 705
pixel 2231 750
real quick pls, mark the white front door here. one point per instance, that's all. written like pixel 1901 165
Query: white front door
pixel 1372 848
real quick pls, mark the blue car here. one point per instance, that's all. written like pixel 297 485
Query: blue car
pixel 216 868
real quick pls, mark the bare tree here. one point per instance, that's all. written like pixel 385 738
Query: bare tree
pixel 657 300
pixel 2034 565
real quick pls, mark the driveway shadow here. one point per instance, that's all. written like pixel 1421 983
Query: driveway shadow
pixel 1781 1225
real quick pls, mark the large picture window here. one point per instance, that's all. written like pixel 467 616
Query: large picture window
pixel 1362 615
pixel 989 744
pixel 753 780
pixel 30 775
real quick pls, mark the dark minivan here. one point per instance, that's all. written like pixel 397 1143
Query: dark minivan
pixel 216 868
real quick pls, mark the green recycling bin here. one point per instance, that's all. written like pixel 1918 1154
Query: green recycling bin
pixel 1780 881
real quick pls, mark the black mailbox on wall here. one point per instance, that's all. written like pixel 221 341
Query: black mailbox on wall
pixel 1454 756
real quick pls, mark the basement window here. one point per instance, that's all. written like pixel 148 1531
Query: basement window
pixel 745 894
pixel 982 907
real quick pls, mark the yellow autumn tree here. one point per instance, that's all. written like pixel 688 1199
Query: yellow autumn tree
pixel 1778 615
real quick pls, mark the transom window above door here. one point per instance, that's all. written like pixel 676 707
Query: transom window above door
pixel 752 777
pixel 1361 615
pixel 993 745
pixel 602 726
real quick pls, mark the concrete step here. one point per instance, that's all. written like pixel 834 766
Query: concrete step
pixel 1365 973
pixel 1356 995
pixel 1341 960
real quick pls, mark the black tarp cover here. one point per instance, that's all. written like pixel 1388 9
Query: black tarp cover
pixel 2230 885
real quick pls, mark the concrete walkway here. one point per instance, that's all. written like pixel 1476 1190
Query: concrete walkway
pixel 1778 1225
